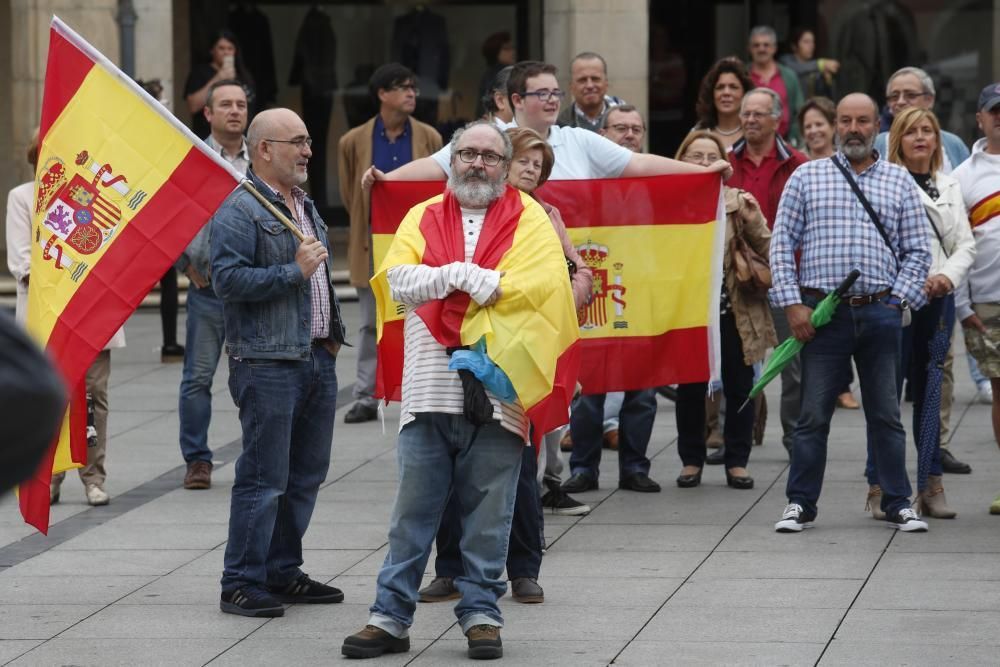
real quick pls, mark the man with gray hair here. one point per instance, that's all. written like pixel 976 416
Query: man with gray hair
pixel 456 437
pixel 762 164
pixel 766 72
pixel 589 87
pixel 851 211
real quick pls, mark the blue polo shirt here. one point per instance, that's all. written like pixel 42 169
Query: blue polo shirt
pixel 387 155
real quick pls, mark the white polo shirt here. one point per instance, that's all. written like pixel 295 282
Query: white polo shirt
pixel 579 154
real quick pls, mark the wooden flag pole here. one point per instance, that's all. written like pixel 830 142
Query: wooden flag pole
pixel 248 186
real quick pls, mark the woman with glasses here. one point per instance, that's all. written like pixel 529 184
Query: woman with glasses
pixel 746 332
pixel 915 143
pixel 719 97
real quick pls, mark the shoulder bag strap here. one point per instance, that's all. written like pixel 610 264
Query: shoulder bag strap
pixel 864 202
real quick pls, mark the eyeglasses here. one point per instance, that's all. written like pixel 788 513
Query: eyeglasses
pixel 755 115
pixel 545 95
pixel 298 142
pixel 622 129
pixel 908 95
pixel 469 156
pixel 407 86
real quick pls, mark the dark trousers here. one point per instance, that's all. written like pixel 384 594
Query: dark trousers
pixel 524 556
pixel 635 425
pixel 316 110
pixel 168 306
pixel 737 380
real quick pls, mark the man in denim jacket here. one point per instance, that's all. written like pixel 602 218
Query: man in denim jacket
pixel 283 331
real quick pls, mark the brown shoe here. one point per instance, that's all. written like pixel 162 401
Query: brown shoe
pixel 873 503
pixel 199 475
pixel 931 502
pixel 484 642
pixel 439 590
pixel 372 642
pixel 611 440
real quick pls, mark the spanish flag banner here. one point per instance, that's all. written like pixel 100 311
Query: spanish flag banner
pixel 530 333
pixel 121 188
pixel 655 247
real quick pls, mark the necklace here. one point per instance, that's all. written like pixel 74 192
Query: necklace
pixel 727 133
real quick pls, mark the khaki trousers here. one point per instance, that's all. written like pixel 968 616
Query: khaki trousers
pixel 97 386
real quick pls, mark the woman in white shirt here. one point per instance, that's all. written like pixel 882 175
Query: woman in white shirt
pixel 915 143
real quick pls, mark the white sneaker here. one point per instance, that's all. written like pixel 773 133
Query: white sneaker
pixel 985 392
pixel 97 496
pixel 793 519
pixel 907 520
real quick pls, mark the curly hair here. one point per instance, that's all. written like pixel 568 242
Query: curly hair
pixel 708 115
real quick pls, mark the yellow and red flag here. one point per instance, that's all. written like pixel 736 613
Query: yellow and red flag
pixel 121 188
pixel 530 333
pixel 655 248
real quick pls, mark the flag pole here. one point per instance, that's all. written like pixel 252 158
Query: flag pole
pixel 248 186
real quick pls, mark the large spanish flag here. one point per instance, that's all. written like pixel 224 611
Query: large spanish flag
pixel 121 189
pixel 530 333
pixel 655 248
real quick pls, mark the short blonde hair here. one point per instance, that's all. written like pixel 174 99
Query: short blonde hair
pixel 525 139
pixel 902 124
pixel 701 134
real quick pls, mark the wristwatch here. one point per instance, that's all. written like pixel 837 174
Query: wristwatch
pixel 894 300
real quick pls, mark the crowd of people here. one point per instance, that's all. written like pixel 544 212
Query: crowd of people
pixel 814 186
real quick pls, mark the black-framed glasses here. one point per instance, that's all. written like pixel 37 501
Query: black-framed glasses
pixel 545 95
pixel 298 142
pixel 469 156
pixel 407 86
pixel 907 95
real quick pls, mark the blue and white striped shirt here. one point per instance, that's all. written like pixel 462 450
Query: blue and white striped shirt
pixel 820 215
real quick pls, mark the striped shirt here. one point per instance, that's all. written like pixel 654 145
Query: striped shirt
pixel 319 282
pixel 428 384
pixel 820 215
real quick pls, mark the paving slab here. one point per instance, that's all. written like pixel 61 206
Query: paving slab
pixel 922 626
pixel 879 653
pixel 785 565
pixel 541 653
pixel 944 566
pixel 134 621
pixel 931 594
pixel 11 648
pixel 643 653
pixel 124 652
pixel 754 593
pixel 134 562
pixel 129 536
pixel 617 564
pixel 656 538
pixel 336 621
pixel 41 621
pixel 97 589
pixel 741 624
pixel 268 650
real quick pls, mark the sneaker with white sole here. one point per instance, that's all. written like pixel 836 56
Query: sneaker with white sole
pixel 794 519
pixel 985 392
pixel 97 496
pixel 907 520
pixel 560 502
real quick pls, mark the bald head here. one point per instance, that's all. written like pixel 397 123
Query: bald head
pixel 279 147
pixel 857 127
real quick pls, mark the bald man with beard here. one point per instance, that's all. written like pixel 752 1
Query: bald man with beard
pixel 283 332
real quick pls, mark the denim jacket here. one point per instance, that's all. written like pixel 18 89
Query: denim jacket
pixel 267 306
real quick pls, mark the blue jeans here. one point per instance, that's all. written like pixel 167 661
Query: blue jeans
pixel 871 334
pixel 286 412
pixel 916 357
pixel 439 455
pixel 524 555
pixel 635 426
pixel 205 336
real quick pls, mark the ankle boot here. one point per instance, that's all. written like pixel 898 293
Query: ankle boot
pixel 713 435
pixel 932 502
pixel 873 503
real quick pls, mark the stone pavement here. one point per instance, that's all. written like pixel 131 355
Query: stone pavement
pixel 687 576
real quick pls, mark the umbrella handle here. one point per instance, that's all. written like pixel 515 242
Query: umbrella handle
pixel 848 282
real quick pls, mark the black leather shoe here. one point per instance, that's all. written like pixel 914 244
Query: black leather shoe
pixel 950 464
pixel 579 483
pixel 639 482
pixel 359 413
pixel 716 458
pixel 742 483
pixel 689 481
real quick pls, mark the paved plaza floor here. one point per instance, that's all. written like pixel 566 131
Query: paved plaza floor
pixel 683 577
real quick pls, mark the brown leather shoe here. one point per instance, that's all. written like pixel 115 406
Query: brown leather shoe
pixel 484 642
pixel 611 440
pixel 199 475
pixel 372 642
pixel 566 444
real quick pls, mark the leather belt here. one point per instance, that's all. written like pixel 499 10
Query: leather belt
pixel 328 344
pixel 854 301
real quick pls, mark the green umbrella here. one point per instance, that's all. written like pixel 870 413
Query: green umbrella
pixel 791 346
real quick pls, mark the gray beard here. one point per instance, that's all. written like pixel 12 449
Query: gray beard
pixel 475 193
pixel 856 153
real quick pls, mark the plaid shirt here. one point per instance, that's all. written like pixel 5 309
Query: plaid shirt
pixel 319 282
pixel 820 215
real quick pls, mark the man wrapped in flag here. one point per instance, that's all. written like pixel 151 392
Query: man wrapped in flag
pixel 121 187
pixel 480 264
